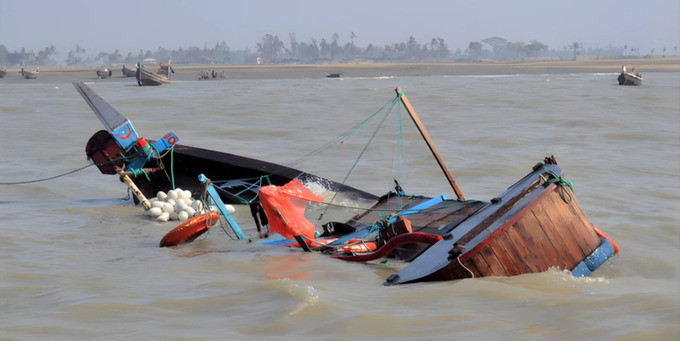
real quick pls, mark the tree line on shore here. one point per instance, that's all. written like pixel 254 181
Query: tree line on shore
pixel 272 50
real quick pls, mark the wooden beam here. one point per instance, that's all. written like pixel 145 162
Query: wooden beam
pixel 134 188
pixel 429 142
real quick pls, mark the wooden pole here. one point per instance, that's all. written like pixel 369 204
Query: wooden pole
pixel 429 142
pixel 134 188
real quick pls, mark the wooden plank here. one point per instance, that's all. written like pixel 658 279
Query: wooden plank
pixel 550 257
pixel 478 265
pixel 542 255
pixel 566 221
pixel 562 240
pixel 525 249
pixel 566 229
pixel 514 263
pixel 586 227
pixel 502 255
pixel 492 260
pixel 564 226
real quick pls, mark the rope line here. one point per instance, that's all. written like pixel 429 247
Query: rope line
pixel 344 136
pixel 464 267
pixel 45 179
pixel 561 185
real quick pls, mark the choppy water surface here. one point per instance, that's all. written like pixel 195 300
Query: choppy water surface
pixel 77 261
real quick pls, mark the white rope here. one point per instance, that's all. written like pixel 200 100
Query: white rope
pixel 464 267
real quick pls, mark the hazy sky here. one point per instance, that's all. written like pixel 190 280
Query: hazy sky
pixel 131 25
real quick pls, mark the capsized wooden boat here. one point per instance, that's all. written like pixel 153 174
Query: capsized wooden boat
pixel 30 74
pixel 535 225
pixel 629 77
pixel 164 164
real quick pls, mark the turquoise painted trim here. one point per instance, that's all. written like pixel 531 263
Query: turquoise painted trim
pixel 581 270
pixel 421 206
pixel 594 260
pixel 223 209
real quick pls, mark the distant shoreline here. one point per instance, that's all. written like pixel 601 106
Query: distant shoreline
pixel 665 64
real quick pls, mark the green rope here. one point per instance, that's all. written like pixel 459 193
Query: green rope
pixel 138 172
pixel 259 182
pixel 342 137
pixel 561 182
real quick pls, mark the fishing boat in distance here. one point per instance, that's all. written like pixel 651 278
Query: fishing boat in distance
pixel 147 76
pixel 629 77
pixel 104 73
pixel 30 74
pixel 127 72
pixel 333 75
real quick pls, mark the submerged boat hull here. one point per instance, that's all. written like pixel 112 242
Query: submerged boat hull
pixel 535 225
pixel 240 176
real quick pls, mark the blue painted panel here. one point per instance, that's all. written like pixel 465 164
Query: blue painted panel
pixel 594 260
pixel 223 209
pixel 126 135
pixel 165 142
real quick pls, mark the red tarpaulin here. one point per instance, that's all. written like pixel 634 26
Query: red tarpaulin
pixel 285 208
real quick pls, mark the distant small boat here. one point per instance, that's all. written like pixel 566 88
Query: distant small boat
pixel 3 72
pixel 203 75
pixel 29 74
pixel 147 77
pixel 129 72
pixel 629 77
pixel 106 73
pixel 333 75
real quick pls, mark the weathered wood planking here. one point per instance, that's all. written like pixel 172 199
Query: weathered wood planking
pixel 547 233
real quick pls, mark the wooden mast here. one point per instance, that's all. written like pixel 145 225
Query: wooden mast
pixel 429 142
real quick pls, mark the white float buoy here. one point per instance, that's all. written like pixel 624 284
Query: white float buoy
pixel 165 216
pixel 180 205
pixel 177 204
pixel 155 211
pixel 172 194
